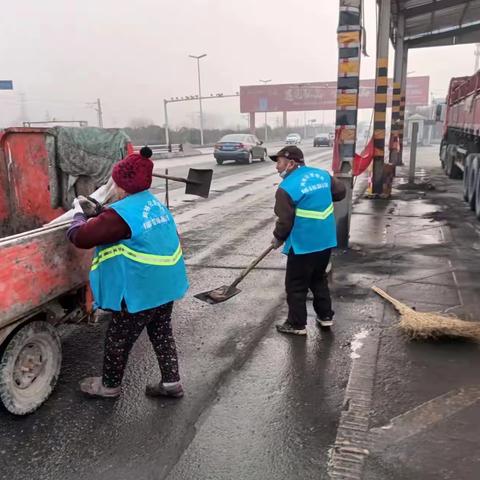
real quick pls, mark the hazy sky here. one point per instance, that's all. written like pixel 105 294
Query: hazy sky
pixel 62 54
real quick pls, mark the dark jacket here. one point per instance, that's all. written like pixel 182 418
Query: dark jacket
pixel 285 208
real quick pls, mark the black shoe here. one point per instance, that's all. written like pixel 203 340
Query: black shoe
pixel 325 322
pixel 288 328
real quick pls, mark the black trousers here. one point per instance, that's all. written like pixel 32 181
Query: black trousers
pixel 307 272
pixel 123 331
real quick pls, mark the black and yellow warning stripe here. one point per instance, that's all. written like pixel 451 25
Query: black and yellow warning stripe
pixel 348 83
pixel 379 118
pixel 402 119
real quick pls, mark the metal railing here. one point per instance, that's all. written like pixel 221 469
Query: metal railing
pixel 167 148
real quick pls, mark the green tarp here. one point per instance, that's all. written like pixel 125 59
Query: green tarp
pixel 82 160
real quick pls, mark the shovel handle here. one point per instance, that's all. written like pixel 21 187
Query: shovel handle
pixel 251 267
pixel 175 179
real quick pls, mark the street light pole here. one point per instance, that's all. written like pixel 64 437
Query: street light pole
pixel 167 134
pixel 197 58
pixel 266 128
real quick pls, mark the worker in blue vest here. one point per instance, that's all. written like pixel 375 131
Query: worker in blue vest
pixel 137 273
pixel 306 227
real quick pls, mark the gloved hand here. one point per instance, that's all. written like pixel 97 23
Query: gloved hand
pixel 77 208
pixel 276 243
pixel 90 208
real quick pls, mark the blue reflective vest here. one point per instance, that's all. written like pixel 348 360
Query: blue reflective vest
pixel 314 227
pixel 146 270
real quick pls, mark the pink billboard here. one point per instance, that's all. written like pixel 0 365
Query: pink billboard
pixel 299 97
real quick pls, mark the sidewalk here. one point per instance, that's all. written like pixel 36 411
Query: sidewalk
pixel 411 409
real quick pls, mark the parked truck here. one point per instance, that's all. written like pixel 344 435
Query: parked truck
pixel 43 278
pixel 460 147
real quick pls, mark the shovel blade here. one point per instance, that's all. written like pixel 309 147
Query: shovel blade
pixel 218 295
pixel 198 182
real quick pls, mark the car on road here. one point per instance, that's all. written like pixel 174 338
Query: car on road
pixel 239 147
pixel 293 139
pixel 322 140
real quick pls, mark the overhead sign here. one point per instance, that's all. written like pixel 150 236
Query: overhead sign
pixel 299 97
pixel 6 85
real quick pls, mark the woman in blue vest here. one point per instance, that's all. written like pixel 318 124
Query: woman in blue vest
pixel 137 273
pixel 306 227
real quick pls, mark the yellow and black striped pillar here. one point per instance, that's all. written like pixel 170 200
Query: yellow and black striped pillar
pixel 401 125
pixel 348 83
pixel 394 145
pixel 379 119
pixel 381 87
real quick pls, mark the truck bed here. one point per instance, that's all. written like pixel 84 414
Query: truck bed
pixel 36 267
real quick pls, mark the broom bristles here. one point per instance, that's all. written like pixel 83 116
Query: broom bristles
pixel 431 325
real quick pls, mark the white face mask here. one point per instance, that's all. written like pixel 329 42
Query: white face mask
pixel 283 174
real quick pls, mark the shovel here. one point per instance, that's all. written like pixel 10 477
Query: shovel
pixel 198 181
pixel 225 292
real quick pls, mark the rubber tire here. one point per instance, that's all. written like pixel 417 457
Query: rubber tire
pixel 466 176
pixel 451 169
pixel 449 154
pixel 265 155
pixel 476 202
pixel 443 154
pixel 250 158
pixel 22 402
pixel 219 162
pixel 473 171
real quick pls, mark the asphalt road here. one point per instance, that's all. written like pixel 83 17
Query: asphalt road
pixel 257 405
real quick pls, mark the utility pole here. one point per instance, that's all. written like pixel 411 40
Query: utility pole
pixel 266 127
pixel 167 134
pixel 99 113
pixel 98 108
pixel 198 58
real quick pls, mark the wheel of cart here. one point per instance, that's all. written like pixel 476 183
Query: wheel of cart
pixel 472 174
pixel 466 176
pixel 443 153
pixel 477 196
pixel 30 363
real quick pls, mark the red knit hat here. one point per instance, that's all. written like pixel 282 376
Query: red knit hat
pixel 134 172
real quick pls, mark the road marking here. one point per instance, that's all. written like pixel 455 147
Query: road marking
pixel 424 416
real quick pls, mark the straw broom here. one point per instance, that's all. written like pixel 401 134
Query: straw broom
pixel 431 325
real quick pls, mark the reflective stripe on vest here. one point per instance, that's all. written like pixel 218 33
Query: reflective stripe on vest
pixel 147 258
pixel 313 214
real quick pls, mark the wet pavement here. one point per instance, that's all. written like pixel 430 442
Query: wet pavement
pixel 263 406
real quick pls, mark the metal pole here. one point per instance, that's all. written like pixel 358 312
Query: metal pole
pixel 198 58
pixel 349 40
pixel 167 199
pixel 167 134
pixel 200 102
pixel 304 124
pixel 266 127
pixel 413 153
pixel 100 113
pixel 381 86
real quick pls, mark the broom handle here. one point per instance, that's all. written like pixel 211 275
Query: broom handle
pixel 398 305
pixel 251 267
